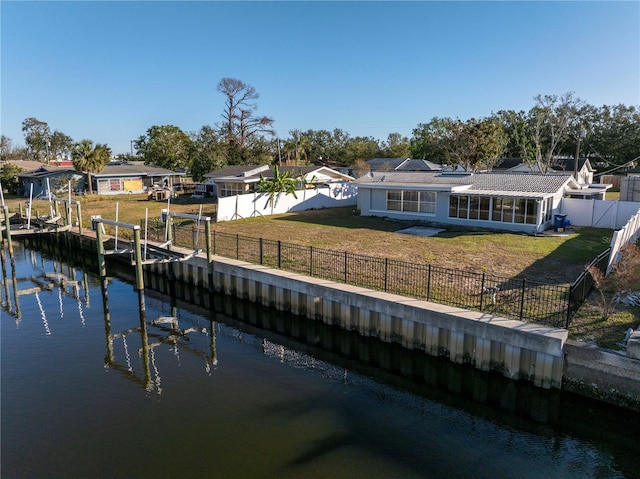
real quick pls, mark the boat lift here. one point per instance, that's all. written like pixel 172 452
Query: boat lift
pixel 161 253
pixel 51 223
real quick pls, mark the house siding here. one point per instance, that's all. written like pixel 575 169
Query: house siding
pixel 373 202
pixel 58 181
pixel 530 200
pixel 114 186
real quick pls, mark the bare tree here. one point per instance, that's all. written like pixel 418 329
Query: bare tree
pixel 550 122
pixel 240 122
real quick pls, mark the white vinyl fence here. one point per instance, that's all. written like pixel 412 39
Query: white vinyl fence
pixel 259 204
pixel 599 213
pixel 629 234
pixel 623 216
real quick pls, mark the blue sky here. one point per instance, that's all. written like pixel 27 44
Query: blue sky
pixel 108 71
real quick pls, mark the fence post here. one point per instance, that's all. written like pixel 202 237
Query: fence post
pixel 237 246
pixel 279 254
pixel 522 298
pixel 260 250
pixel 386 271
pixel 214 241
pixel 482 291
pixel 345 267
pixel 207 233
pixel 569 307
pixel 79 216
pixel 429 282
pixel 310 260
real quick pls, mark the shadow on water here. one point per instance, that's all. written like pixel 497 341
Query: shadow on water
pixel 409 378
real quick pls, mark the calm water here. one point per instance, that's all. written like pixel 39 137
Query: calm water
pixel 93 388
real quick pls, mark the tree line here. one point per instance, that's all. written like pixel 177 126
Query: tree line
pixel 556 126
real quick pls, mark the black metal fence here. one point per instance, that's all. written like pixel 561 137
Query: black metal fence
pixel 583 285
pixel 516 298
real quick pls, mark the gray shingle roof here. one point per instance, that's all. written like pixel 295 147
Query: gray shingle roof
pixel 402 164
pixel 419 165
pixel 385 163
pixel 127 170
pixel 486 182
pixel 45 171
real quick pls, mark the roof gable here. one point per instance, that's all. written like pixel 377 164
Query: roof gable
pixel 252 173
pixel 402 164
pixel 47 171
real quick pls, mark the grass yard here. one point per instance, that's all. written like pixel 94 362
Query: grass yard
pixel 549 259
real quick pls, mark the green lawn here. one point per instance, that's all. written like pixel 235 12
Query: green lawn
pixel 549 259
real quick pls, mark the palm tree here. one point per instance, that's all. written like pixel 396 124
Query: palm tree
pixel 89 158
pixel 280 183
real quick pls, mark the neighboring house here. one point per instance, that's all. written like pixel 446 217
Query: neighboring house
pixel 559 165
pixel 241 179
pixel 402 164
pixel 133 178
pixel 506 201
pixel 36 182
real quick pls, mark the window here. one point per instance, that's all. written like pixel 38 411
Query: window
pixel 411 201
pixel 497 209
pixel 394 200
pixel 507 210
pixel 474 204
pixel 549 209
pixel 428 202
pixel 494 208
pixel 485 201
pixel 532 213
pixel 230 189
pixel 520 210
pixel 453 207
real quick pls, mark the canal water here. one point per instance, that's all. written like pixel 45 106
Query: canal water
pixel 94 386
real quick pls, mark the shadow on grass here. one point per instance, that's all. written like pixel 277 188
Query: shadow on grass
pixel 345 217
pixel 561 265
pixel 573 254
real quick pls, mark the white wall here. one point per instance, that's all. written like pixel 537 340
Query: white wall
pixel 598 213
pixel 257 204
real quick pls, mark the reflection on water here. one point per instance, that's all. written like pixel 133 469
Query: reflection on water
pixel 199 385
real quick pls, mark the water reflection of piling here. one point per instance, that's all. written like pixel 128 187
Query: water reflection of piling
pixel 6 238
pixel 7 231
pixel 145 342
pixel 109 357
pixel 5 279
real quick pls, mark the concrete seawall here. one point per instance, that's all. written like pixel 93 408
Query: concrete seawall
pixel 537 354
pixel 517 350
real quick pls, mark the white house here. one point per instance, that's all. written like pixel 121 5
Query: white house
pixel 242 179
pixel 506 201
